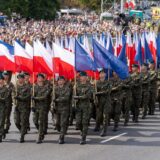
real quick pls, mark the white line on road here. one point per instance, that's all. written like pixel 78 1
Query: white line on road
pixel 107 140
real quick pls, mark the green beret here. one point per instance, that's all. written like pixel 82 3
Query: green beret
pixel 20 75
pixel 102 71
pixel 61 78
pixel 40 75
pixel 135 65
pixel 83 74
pixel 5 73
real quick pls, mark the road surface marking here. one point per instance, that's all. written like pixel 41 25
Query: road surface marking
pixel 107 140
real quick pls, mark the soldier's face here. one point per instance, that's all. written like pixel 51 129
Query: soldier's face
pixel 1 81
pixel 151 66
pixel 83 78
pixel 134 69
pixel 61 82
pixel 102 75
pixel 143 69
pixel 27 77
pixel 6 77
pixel 21 80
pixel 40 79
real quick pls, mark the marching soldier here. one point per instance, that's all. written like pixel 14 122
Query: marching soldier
pixel 4 94
pixel 83 96
pixel 62 107
pixel 104 103
pixel 27 82
pixel 127 99
pixel 40 109
pixel 23 98
pixel 153 87
pixel 145 89
pixel 116 98
pixel 8 111
pixel 136 92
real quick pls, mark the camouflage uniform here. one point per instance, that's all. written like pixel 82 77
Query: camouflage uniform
pixel 153 91
pixel 23 99
pixel 83 97
pixel 104 105
pixel 116 101
pixel 127 99
pixel 4 94
pixel 62 107
pixel 40 109
pixel 136 95
pixel 9 102
pixel 145 93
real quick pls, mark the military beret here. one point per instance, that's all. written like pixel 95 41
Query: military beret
pixel 6 73
pixel 1 77
pixel 145 64
pixel 40 75
pixel 102 71
pixel 151 61
pixel 26 74
pixel 135 65
pixel 61 77
pixel 20 75
pixel 83 74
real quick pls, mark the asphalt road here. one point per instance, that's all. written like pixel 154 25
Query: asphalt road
pixel 135 142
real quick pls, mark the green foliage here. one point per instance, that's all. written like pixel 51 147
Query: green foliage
pixel 92 4
pixel 37 9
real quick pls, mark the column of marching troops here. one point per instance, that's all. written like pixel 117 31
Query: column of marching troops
pixel 104 101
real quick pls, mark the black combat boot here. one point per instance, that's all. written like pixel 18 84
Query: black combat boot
pixel 4 135
pixel 115 127
pixel 22 139
pixel 39 141
pixel 61 139
pixel 97 128
pixel 103 133
pixel 83 140
pixel 0 138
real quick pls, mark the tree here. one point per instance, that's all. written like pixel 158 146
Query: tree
pixel 37 9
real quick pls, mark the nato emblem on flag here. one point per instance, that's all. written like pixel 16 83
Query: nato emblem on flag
pixel 83 61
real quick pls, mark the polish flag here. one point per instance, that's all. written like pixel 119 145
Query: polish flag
pixel 42 59
pixel 153 45
pixel 6 58
pixel 64 62
pixel 130 50
pixel 23 59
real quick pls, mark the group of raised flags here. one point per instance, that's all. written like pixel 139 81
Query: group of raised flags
pixel 68 55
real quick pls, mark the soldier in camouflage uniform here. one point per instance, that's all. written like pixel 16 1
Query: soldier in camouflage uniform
pixel 4 94
pixel 136 92
pixel 62 107
pixel 116 100
pixel 49 86
pixel 23 98
pixel 104 103
pixel 40 109
pixel 145 89
pixel 27 82
pixel 11 89
pixel 83 96
pixel 127 99
pixel 153 88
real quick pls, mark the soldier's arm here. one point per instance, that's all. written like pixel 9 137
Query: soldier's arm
pixel 27 95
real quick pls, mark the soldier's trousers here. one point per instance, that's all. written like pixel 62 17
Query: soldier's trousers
pixel 8 115
pixel 82 118
pixel 144 103
pixel 135 106
pixel 2 119
pixel 103 112
pixel 126 105
pixel 152 100
pixel 116 111
pixel 21 119
pixel 62 121
pixel 39 119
